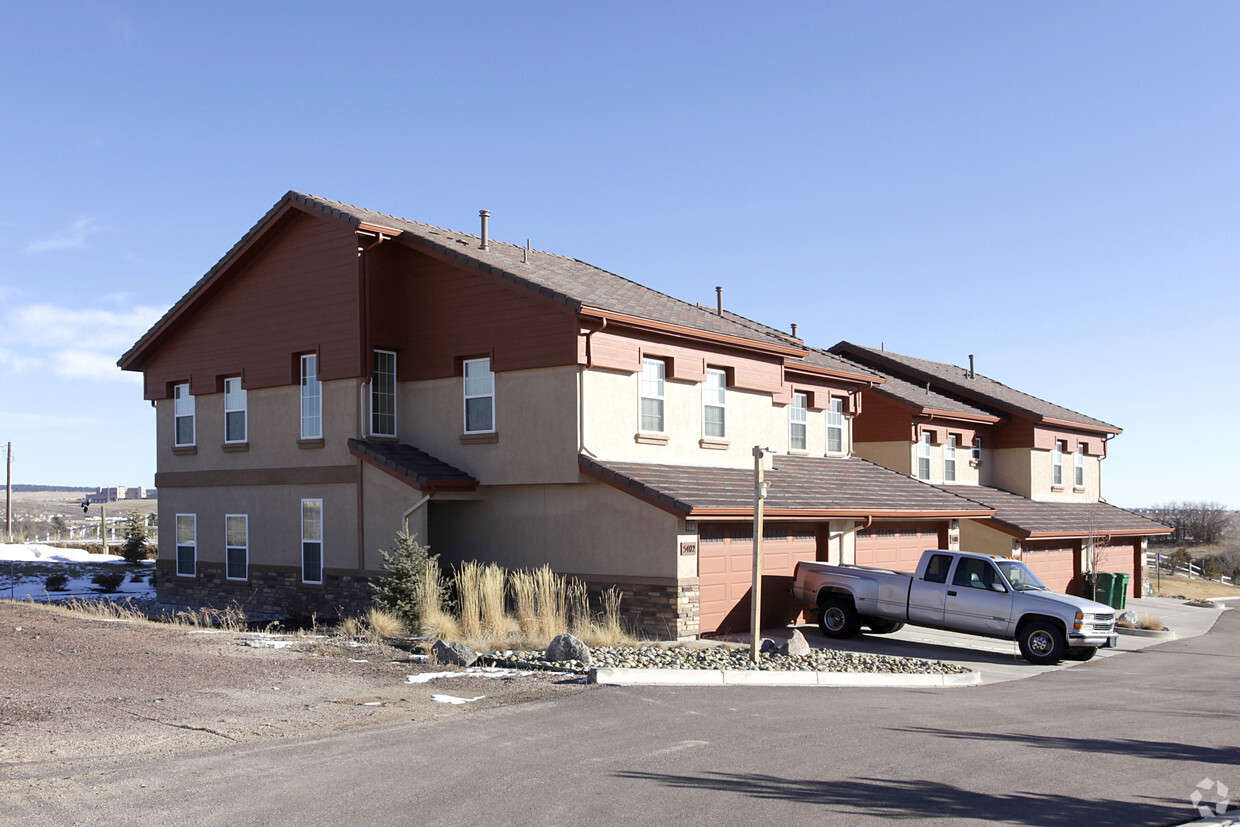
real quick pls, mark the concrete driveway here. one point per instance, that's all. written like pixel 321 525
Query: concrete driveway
pixel 1000 660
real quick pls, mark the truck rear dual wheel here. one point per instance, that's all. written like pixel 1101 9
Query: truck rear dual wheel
pixel 1041 642
pixel 838 619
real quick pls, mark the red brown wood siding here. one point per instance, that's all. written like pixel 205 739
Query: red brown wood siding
pixel 433 314
pixel 296 293
pixel 884 420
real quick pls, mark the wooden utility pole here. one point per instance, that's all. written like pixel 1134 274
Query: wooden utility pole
pixel 8 490
pixel 755 593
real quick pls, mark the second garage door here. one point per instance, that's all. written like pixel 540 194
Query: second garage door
pixel 1053 563
pixel 897 546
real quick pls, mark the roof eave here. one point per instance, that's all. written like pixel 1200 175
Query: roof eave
pixel 628 320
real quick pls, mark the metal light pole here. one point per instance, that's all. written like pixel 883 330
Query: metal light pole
pixel 760 488
pixel 8 490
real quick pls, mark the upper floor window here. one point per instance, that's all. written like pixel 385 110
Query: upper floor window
pixel 187 544
pixel 311 398
pixel 479 396
pixel 714 404
pixel 923 455
pixel 835 426
pixel 312 541
pixel 236 546
pixel 183 410
pixel 975 452
pixel 1057 463
pixel 798 415
pixel 1078 466
pixel 651 389
pixel 949 459
pixel 234 410
pixel 383 394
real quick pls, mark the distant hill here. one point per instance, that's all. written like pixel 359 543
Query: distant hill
pixel 65 488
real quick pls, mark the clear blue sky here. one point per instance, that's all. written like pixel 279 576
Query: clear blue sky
pixel 1054 187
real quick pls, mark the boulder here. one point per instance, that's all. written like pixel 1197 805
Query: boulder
pixel 768 647
pixel 567 647
pixel 1127 617
pixel 453 653
pixel 796 646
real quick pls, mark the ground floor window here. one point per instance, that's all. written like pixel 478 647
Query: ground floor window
pixel 312 541
pixel 187 545
pixel 236 546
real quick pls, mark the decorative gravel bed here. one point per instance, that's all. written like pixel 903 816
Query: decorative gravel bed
pixel 721 657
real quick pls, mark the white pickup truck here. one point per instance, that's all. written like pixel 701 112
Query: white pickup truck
pixel 963 592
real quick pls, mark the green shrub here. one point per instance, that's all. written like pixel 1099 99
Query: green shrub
pixel 56 582
pixel 403 589
pixel 109 581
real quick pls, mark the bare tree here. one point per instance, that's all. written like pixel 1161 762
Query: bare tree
pixel 1203 523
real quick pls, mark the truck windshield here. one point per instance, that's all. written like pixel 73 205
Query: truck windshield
pixel 1019 576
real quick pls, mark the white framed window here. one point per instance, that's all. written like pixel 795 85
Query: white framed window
pixel 183 413
pixel 975 451
pixel 715 404
pixel 1057 463
pixel 187 545
pixel 798 416
pixel 383 394
pixel 651 398
pixel 312 541
pixel 311 398
pixel 1078 466
pixel 949 459
pixel 235 404
pixel 835 426
pixel 923 455
pixel 479 397
pixel 237 546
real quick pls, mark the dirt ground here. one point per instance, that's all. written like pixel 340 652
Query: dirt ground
pixel 1178 585
pixel 75 687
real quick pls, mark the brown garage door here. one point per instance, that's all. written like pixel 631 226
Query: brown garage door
pixel 725 573
pixel 1053 563
pixel 896 546
pixel 1119 557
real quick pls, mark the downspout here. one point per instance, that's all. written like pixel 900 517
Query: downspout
pixel 1106 440
pixel 404 518
pixel 581 390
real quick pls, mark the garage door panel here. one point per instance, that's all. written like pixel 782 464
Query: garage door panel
pixel 1054 564
pixel 725 572
pixel 896 546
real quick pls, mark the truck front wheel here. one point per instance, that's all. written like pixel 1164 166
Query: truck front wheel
pixel 1041 643
pixel 885 627
pixel 838 619
pixel 1081 653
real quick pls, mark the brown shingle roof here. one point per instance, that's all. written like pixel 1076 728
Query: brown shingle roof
pixel 956 380
pixel 414 466
pixel 800 486
pixel 1028 518
pixel 564 279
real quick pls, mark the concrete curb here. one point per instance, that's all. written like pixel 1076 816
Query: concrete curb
pixel 763 677
pixel 1157 634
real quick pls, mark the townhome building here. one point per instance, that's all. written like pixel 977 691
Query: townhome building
pixel 1037 464
pixel 341 375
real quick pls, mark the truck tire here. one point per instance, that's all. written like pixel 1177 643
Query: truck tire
pixel 1041 643
pixel 838 619
pixel 1081 653
pixel 885 627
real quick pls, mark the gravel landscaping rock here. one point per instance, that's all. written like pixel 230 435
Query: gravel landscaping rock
pixel 679 657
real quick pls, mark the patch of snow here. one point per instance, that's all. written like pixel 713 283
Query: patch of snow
pixel 41 553
pixel 268 642
pixel 472 672
pixel 355 660
pixel 420 658
pixel 452 699
pixel 427 677
pixel 373 703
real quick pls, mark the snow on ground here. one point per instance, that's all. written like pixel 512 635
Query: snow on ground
pixel 24 568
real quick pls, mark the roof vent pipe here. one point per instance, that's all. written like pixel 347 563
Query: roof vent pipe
pixel 485 215
pixel 719 301
pixel 794 330
pixel 971 375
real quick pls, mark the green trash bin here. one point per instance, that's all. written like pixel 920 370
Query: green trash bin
pixel 1104 584
pixel 1119 591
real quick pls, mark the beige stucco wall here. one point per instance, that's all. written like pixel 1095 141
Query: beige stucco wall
pixel 610 420
pixel 893 455
pixel 274 521
pixel 982 539
pixel 273 430
pixel 1041 470
pixel 535 419
pixel 585 528
pixel 385 500
pixel 1011 470
pixel 965 474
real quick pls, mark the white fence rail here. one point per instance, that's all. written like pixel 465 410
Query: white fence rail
pixel 1193 570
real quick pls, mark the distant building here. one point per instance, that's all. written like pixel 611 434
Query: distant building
pixel 119 492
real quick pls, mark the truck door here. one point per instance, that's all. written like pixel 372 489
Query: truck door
pixel 977 600
pixel 925 596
